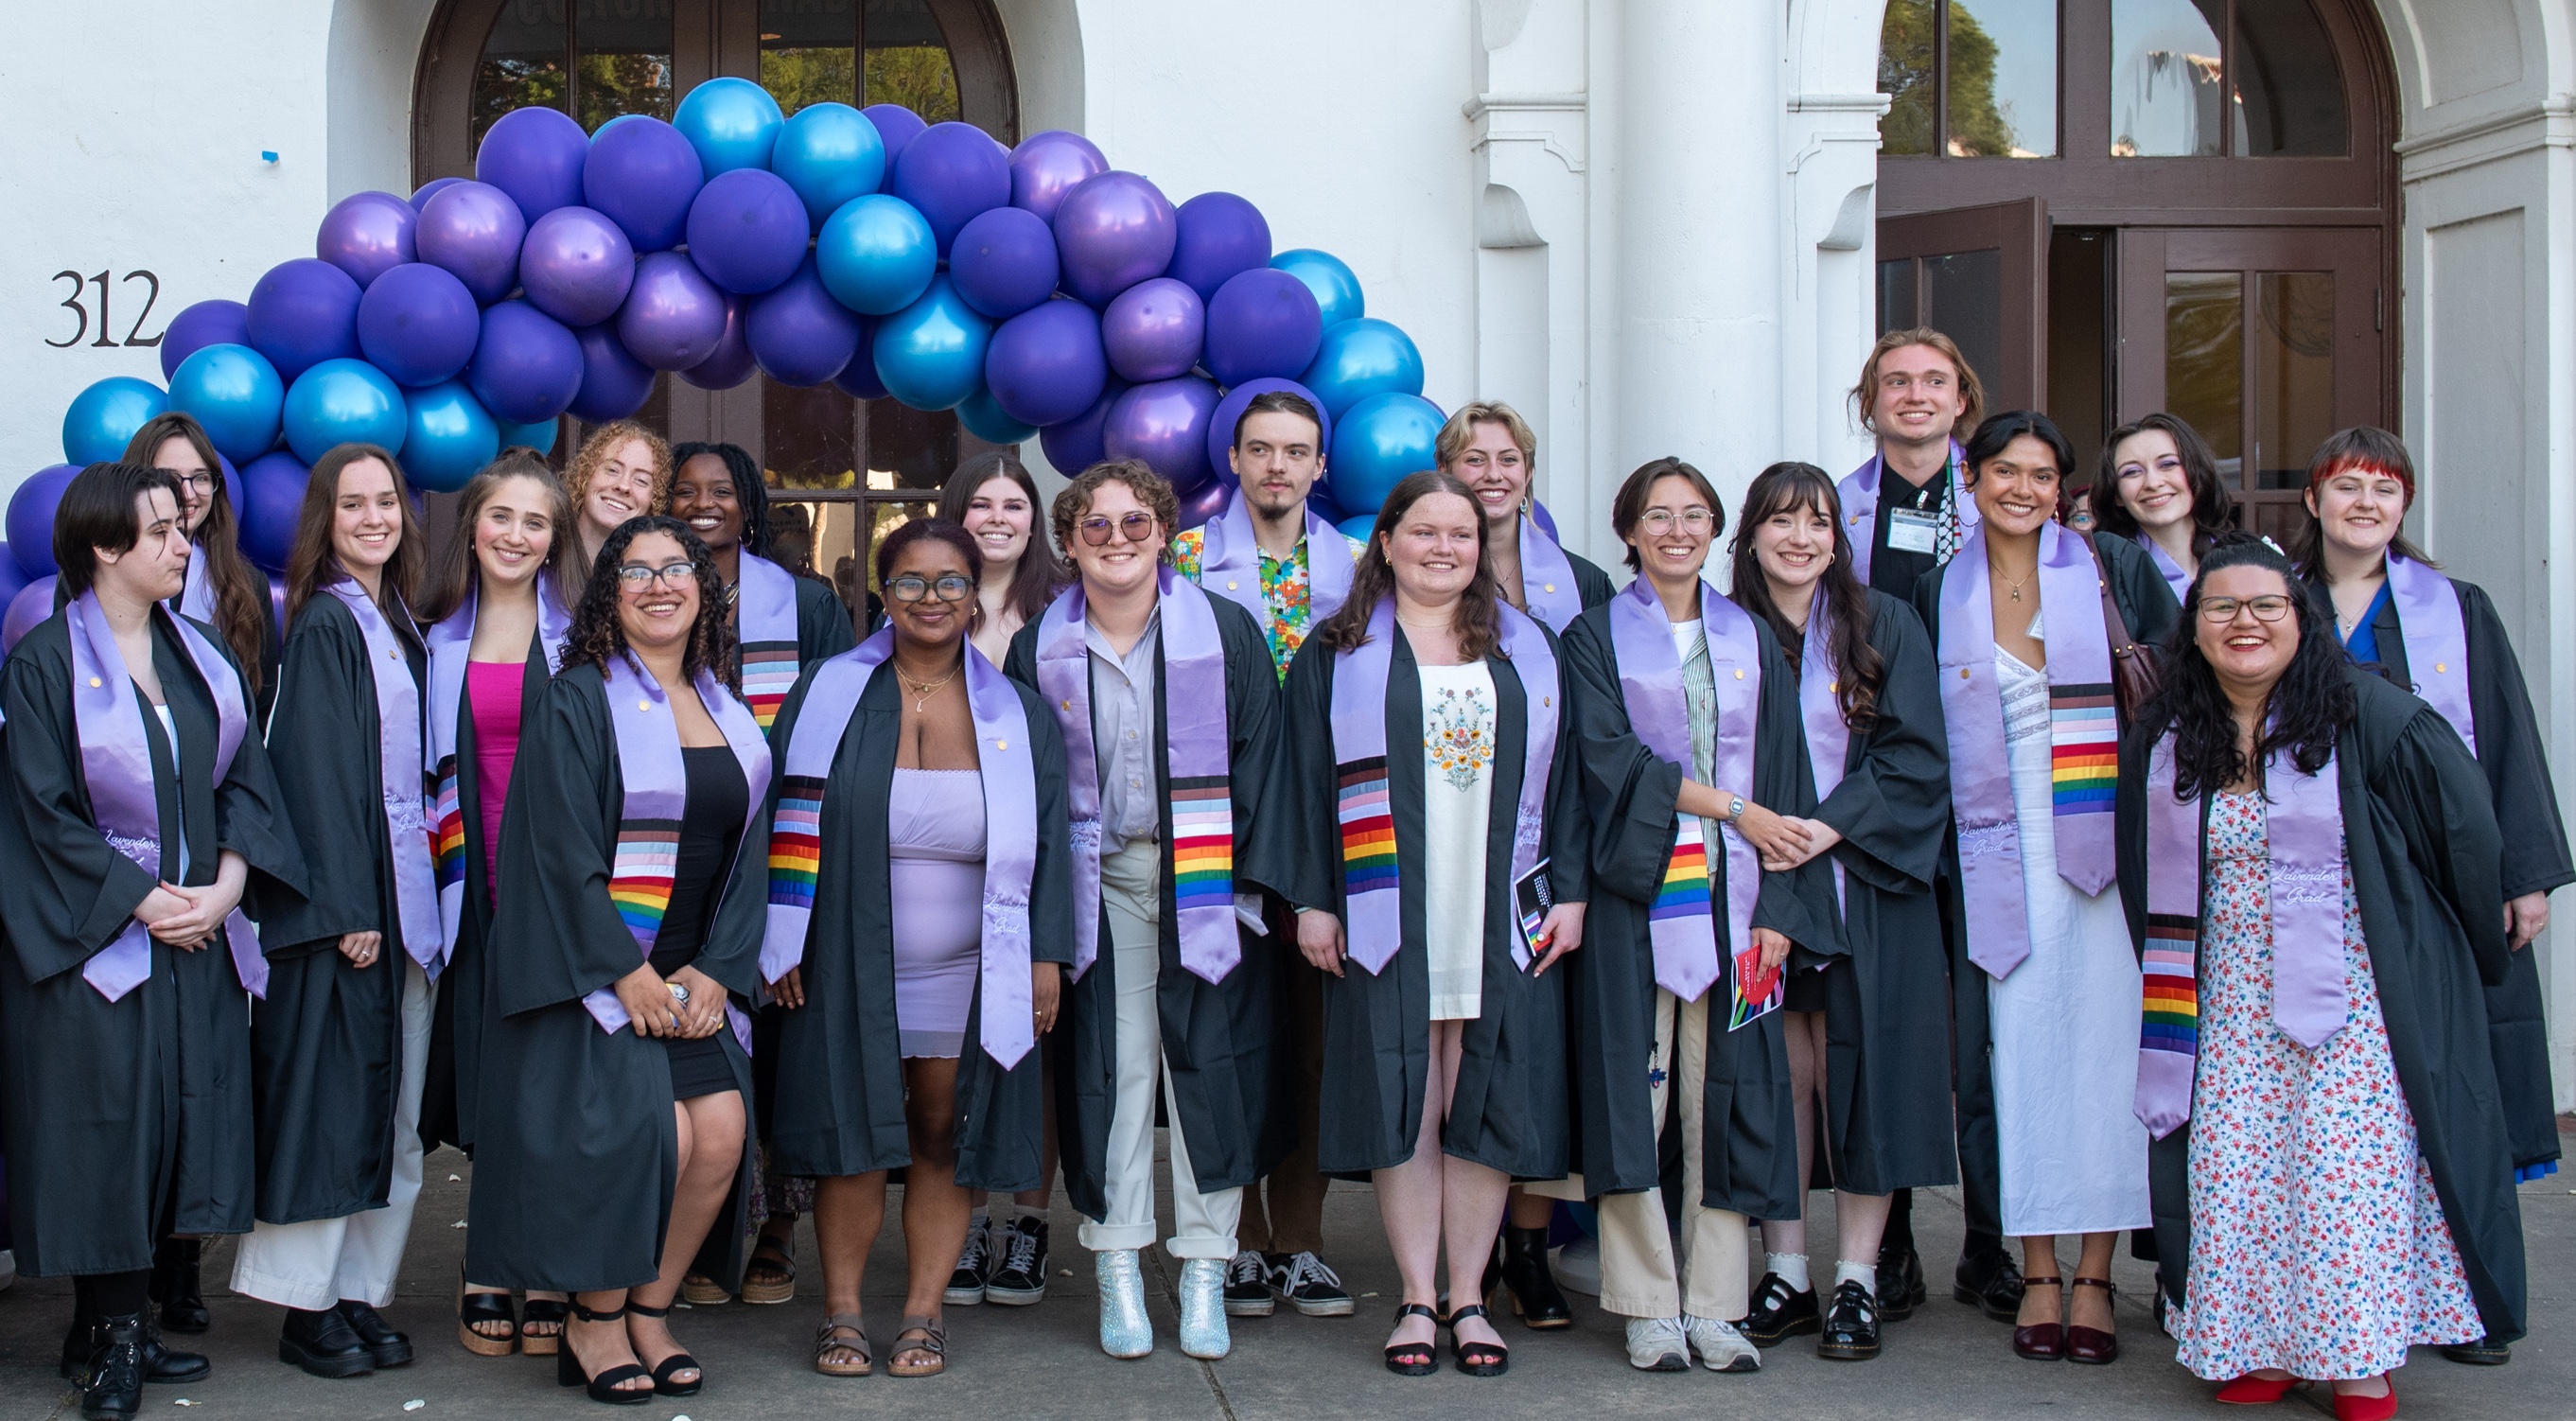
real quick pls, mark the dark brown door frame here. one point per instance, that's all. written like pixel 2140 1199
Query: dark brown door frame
pixel 2019 231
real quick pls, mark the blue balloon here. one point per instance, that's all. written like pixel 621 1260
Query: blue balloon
pixel 1377 442
pixel 829 153
pixel 987 421
pixel 342 402
pixel 1359 526
pixel 876 255
pixel 203 324
pixel 234 392
pixel 305 311
pixel 747 231
pixel 528 366
pixel 733 123
pixel 897 125
pixel 272 500
pixel 417 323
pixel 1336 290
pixel 1004 261
pixel 952 172
pixel 447 438
pixel 1046 365
pixel 643 175
pixel 1361 358
pixel 31 519
pixel 1082 441
pixel 614 384
pixel 539 436
pixel 930 354
pixel 858 379
pixel 104 417
pixel 799 335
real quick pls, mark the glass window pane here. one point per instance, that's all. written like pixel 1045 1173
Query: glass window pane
pixel 1896 307
pixel 2293 373
pixel 884 516
pixel 2289 100
pixel 2165 78
pixel 1905 76
pixel 810 436
pixel 2205 361
pixel 908 60
pixel 809 51
pixel 522 64
pixel 625 59
pixel 1966 291
pixel 2003 79
pixel 909 448
pixel 818 540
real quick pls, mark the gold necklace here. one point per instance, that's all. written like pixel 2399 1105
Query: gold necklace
pixel 2015 586
pixel 923 689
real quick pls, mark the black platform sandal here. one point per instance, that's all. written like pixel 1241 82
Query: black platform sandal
pixel 484 1309
pixel 1477 1359
pixel 541 1312
pixel 604 1388
pixel 676 1362
pixel 1415 1359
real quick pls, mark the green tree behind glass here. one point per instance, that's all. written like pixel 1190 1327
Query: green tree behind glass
pixel 1905 76
pixel 797 77
pixel 1977 128
pixel 917 76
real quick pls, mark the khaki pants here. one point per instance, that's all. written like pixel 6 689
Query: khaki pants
pixel 1640 1277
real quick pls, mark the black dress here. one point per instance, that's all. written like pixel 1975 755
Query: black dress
pixel 710 831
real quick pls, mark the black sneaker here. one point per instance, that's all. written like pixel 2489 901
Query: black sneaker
pixel 1305 1283
pixel 1779 1313
pixel 1019 1275
pixel 1850 1330
pixel 1900 1281
pixel 966 1286
pixel 1247 1287
pixel 388 1347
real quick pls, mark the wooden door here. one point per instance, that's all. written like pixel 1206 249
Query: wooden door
pixel 1980 276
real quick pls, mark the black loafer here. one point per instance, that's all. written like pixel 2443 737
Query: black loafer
pixel 1850 1329
pixel 2485 1352
pixel 388 1347
pixel 323 1345
pixel 1779 1313
pixel 1991 1283
pixel 1900 1281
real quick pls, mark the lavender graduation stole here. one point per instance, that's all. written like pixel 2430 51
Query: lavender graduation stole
pixel 116 765
pixel 1859 490
pixel 2304 844
pixel 656 784
pixel 2175 577
pixel 1820 710
pixel 1650 681
pixel 1198 775
pixel 2437 641
pixel 1010 840
pixel 1230 562
pixel 1547 579
pixel 765 623
pixel 1372 886
pixel 2084 739
pixel 400 752
pixel 451 643
pixel 197 595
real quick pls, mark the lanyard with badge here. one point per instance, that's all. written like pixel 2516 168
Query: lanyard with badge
pixel 1914 530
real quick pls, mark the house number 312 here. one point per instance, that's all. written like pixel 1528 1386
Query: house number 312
pixel 79 308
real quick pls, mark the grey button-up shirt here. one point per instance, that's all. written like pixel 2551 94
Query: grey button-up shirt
pixel 1122 728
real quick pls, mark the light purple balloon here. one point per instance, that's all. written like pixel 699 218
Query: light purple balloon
pixel 1220 234
pixel 576 266
pixel 674 316
pixel 898 126
pixel 1003 262
pixel 203 324
pixel 421 195
pixel 1111 232
pixel 1048 165
pixel 643 174
pixel 535 155
pixel 528 366
pixel 1204 502
pixel 418 324
pixel 798 334
pixel 1153 330
pixel 950 174
pixel 747 230
pixel 1263 322
pixel 1045 365
pixel 474 230
pixel 1165 424
pixel 368 234
pixel 614 384
pixel 302 313
pixel 730 364
pixel 30 609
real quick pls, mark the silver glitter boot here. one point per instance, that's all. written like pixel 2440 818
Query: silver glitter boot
pixel 1125 1331
pixel 1203 1329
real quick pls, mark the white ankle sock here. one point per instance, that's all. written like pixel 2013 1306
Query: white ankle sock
pixel 1792 1268
pixel 1865 1274
pixel 979 1222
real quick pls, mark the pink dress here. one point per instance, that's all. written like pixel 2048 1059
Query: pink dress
pixel 2317 1244
pixel 935 837
pixel 493 689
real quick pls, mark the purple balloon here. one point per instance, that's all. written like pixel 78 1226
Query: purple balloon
pixel 1078 443
pixel 614 384
pixel 1205 502
pixel 730 364
pixel 1111 232
pixel 643 174
pixel 858 379
pixel 528 366
pixel 1229 413
pixel 421 195
pixel 747 230
pixel 203 324
pixel 674 316
pixel 1003 262
pixel 1048 165
pixel 898 126
pixel 418 324
pixel 1045 365
pixel 27 611
pixel 12 581
pixel 1153 329
pixel 474 230
pixel 535 155
pixel 576 266
pixel 1262 322
pixel 1165 424
pixel 951 173
pixel 368 234
pixel 798 334
pixel 31 518
pixel 1220 234
pixel 302 313
pixel 272 499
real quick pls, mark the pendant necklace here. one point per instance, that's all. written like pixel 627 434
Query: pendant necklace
pixel 2013 585
pixel 923 689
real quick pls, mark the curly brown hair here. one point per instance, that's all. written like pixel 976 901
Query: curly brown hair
pixel 605 441
pixel 597 637
pixel 1150 488
pixel 1479 619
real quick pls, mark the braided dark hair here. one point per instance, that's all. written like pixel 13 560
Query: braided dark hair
pixel 2311 702
pixel 597 635
pixel 749 490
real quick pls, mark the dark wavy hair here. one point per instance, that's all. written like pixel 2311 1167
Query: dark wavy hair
pixel 1479 622
pixel 1997 432
pixel 597 636
pixel 241 590
pixel 2307 707
pixel 1041 574
pixel 749 489
pixel 2211 503
pixel 313 564
pixel 1791 487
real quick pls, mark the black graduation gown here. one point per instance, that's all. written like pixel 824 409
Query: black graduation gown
pixel 454 1083
pixel 2147 605
pixel 1748 1135
pixel 2422 845
pixel 326 1046
pixel 1216 1037
pixel 2514 755
pixel 271 651
pixel 1887 1042
pixel 576 1152
pixel 122 1120
pixel 1510 1108
pixel 839 1102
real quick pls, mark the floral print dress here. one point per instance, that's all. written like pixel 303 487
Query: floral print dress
pixel 2317 1244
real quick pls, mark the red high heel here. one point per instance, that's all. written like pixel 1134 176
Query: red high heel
pixel 2367 1408
pixel 2251 1390
pixel 2042 1341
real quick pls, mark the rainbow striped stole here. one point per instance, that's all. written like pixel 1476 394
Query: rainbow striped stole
pixel 1202 842
pixel 768 674
pixel 1368 828
pixel 2169 959
pixel 640 875
pixel 765 616
pixel 2169 969
pixel 2084 748
pixel 796 841
pixel 1684 891
pixel 446 826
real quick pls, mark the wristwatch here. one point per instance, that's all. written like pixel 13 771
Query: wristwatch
pixel 1734 812
pixel 679 993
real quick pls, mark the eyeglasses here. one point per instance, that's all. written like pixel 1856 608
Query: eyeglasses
pixel 1135 528
pixel 197 483
pixel 2222 610
pixel 947 587
pixel 635 576
pixel 1659 521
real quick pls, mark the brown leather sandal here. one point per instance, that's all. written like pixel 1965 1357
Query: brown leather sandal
pixel 845 1334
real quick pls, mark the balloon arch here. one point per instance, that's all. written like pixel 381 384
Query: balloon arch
pixel 1034 290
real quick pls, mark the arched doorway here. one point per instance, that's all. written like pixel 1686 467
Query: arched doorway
pixel 847 470
pixel 2120 206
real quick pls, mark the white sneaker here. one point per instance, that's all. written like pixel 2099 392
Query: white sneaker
pixel 1720 1347
pixel 1656 1344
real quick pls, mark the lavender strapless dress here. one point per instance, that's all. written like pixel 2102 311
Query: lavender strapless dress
pixel 935 837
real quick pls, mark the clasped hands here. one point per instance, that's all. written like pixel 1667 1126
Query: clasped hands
pixel 1785 841
pixel 189 918
pixel 656 1011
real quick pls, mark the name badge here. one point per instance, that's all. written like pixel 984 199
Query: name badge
pixel 1910 530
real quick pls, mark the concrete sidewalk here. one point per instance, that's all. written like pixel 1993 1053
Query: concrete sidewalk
pixel 1016 1364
